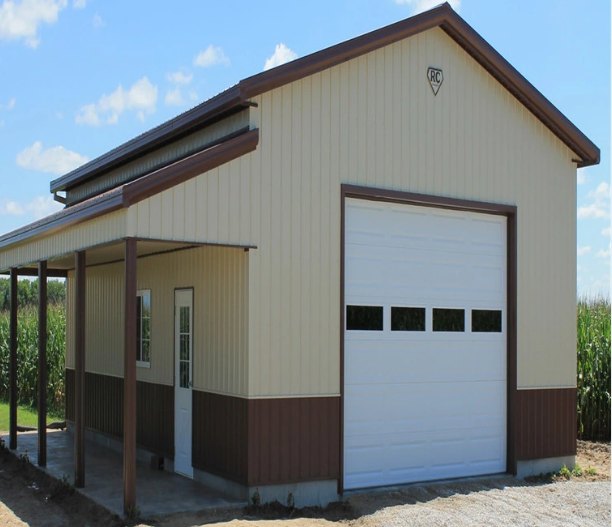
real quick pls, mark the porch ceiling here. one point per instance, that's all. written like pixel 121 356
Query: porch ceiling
pixel 108 253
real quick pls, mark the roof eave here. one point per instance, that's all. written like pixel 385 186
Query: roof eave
pixel 227 102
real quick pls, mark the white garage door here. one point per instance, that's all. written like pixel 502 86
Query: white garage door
pixel 425 344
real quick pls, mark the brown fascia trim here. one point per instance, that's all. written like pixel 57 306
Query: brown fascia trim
pixel 131 193
pixel 460 31
pixel 223 105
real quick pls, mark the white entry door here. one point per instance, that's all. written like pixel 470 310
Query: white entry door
pixel 425 344
pixel 183 380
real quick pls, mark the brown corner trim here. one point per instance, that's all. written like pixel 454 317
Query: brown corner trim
pixel 409 198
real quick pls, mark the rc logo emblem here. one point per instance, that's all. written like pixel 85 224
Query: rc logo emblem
pixel 435 77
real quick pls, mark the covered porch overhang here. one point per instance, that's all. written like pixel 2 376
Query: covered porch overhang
pixel 100 231
pixel 127 250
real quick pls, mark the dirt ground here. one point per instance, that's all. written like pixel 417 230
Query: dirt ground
pixel 30 497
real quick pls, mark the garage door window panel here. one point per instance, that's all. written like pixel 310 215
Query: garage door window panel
pixel 364 318
pixel 449 320
pixel 486 321
pixel 407 319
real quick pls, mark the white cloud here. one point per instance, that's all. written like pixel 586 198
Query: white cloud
pixel 193 96
pixel 79 4
pixel 59 115
pixel 583 250
pixel 600 208
pixel 602 192
pixel 174 97
pixel 282 54
pixel 140 98
pixel 97 21
pixel 57 160
pixel 606 231
pixel 210 56
pixel 178 77
pixel 39 207
pixel 580 176
pixel 21 20
pixel 9 105
pixel 418 6
pixel 43 206
pixel 11 208
pixel 603 254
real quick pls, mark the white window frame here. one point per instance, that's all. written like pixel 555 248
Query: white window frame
pixel 140 363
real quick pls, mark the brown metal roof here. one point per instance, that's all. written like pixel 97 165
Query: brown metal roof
pixel 140 189
pixel 237 98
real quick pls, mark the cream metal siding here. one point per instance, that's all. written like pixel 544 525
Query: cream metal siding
pixel 219 277
pixel 160 157
pixel 89 234
pixel 374 121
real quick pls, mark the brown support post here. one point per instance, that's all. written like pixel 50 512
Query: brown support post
pixel 42 363
pixel 129 380
pixel 13 363
pixel 79 372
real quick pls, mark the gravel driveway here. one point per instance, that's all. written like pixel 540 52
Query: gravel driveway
pixel 572 503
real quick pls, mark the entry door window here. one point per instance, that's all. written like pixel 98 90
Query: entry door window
pixel 185 346
pixel 143 328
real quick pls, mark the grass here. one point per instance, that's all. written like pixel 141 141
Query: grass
pixel 26 416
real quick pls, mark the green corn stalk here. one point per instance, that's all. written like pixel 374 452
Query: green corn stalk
pixel 27 357
pixel 593 368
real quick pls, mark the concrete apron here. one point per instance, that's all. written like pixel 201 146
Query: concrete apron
pixel 157 492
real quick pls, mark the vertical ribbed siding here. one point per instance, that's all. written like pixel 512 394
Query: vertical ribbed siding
pixel 104 410
pixel 95 232
pixel 219 277
pixel 545 422
pixel 293 439
pixel 374 121
pixel 220 425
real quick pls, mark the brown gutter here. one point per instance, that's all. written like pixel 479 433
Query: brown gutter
pixel 144 187
pixel 220 106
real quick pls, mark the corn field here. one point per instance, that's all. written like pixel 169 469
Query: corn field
pixel 594 369
pixel 593 362
pixel 27 357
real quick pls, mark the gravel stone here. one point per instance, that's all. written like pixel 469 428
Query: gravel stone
pixel 570 504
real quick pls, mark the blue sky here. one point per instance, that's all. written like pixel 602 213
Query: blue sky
pixel 80 77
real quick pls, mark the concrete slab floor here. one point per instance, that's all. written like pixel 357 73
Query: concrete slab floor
pixel 157 492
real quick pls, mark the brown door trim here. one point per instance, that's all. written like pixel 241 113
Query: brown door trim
pixel 424 200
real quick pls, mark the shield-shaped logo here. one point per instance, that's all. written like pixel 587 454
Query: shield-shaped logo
pixel 435 77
